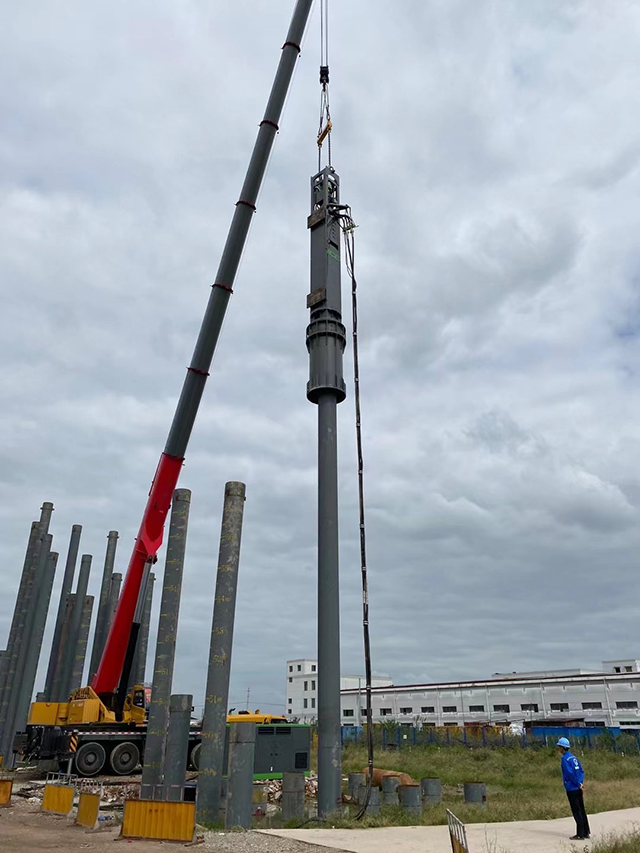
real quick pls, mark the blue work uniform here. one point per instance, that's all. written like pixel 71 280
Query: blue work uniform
pixel 573 777
pixel 572 772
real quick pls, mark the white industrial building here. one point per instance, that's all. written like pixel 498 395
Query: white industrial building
pixel 302 688
pixel 578 697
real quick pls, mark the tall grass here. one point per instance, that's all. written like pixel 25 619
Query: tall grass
pixel 521 784
pixel 629 842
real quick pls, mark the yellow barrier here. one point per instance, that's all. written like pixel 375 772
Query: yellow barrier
pixel 160 820
pixel 88 808
pixel 58 799
pixel 6 787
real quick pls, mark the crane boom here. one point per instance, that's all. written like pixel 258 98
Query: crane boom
pixel 151 530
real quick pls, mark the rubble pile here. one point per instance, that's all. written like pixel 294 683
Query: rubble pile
pixel 32 793
pixel 111 795
pixel 117 794
pixel 274 789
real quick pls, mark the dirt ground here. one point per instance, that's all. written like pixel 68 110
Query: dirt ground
pixel 25 829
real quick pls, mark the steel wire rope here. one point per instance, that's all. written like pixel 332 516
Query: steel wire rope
pixel 324 125
pixel 348 227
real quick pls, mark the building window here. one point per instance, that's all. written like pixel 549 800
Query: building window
pixel 290 669
pixel 560 706
pixel 455 725
pixel 348 712
pixel 291 701
pixel 628 669
pixel 313 667
pixel 626 705
pixel 476 709
pixel 305 703
pixel 592 706
pixel 427 709
pixel 449 709
pixel 502 709
pixel 386 712
pixel 313 703
pixel 313 685
pixel 406 710
pixel 529 706
pixel 306 685
pixel 428 725
pixel 290 680
pixel 617 669
pixel 299 667
pixel 592 724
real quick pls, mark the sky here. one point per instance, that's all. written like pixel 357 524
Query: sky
pixel 490 152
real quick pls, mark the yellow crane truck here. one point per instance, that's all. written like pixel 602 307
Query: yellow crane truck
pixel 85 732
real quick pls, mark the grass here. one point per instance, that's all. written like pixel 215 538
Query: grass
pixel 629 842
pixel 522 784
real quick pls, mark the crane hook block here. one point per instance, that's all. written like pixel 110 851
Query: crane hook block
pixel 324 74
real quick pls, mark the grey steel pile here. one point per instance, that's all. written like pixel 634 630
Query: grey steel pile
pixel 19 661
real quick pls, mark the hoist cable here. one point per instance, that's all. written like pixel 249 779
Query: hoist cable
pixel 350 246
pixel 324 127
pixel 348 229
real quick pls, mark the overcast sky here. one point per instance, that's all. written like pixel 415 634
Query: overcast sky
pixel 490 152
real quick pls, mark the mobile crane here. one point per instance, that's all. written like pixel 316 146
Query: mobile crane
pixel 102 722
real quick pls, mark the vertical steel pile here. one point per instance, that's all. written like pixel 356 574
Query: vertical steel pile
pixel 32 657
pixel 242 743
pixel 24 635
pixel 81 648
pixel 64 640
pixel 217 691
pixel 152 772
pixel 114 594
pixel 175 760
pixel 67 582
pixel 18 611
pixel 18 661
pixel 64 687
pixel 293 790
pixel 326 340
pixel 103 619
pixel 139 667
pixel 20 617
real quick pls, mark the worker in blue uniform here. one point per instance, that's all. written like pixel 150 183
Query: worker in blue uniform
pixel 573 778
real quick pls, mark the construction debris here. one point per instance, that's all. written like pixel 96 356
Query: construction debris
pixel 115 795
pixel 274 789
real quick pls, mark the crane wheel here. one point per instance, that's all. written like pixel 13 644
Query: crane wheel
pixel 195 757
pixel 124 758
pixel 90 759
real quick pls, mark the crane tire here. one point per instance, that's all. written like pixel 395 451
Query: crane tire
pixel 124 758
pixel 195 757
pixel 90 759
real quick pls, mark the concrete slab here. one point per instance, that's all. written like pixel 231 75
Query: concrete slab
pixel 534 836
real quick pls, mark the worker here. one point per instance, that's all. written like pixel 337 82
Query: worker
pixel 573 778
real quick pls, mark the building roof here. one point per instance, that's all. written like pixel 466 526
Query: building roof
pixel 514 679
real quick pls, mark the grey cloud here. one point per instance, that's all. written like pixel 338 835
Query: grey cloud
pixel 488 154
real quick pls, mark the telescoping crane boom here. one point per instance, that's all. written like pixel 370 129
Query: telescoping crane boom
pixel 149 539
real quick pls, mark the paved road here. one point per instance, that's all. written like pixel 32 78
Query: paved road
pixel 535 836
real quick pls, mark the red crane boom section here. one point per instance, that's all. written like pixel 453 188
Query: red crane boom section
pixel 148 542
